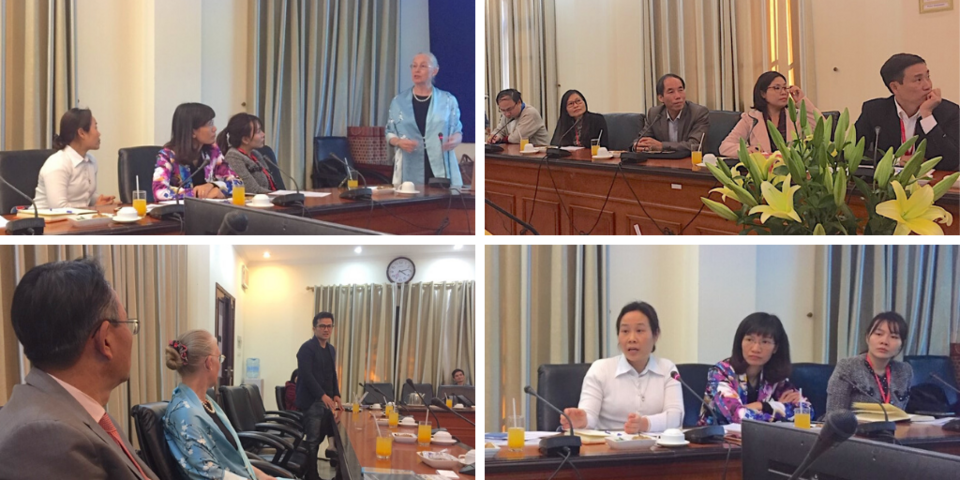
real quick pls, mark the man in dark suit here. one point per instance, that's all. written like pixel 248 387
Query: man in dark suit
pixel 77 335
pixel 915 109
pixel 318 389
pixel 676 124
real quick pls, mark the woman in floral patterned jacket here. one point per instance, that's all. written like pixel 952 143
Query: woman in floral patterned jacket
pixel 753 383
pixel 192 145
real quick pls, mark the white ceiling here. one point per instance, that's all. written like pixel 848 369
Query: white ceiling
pixel 253 254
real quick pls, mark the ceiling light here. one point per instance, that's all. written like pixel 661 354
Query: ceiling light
pixel 266 254
pixel 358 250
pixel 458 247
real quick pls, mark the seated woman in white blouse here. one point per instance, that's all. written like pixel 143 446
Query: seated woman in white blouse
pixel 633 391
pixel 69 177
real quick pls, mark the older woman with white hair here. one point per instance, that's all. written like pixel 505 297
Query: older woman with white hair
pixel 200 436
pixel 425 128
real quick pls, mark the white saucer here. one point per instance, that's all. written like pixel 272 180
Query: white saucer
pixel 441 442
pixel 661 443
pixel 406 193
pixel 404 437
pixel 606 157
pixel 253 205
pixel 530 152
pixel 408 425
pixel 126 220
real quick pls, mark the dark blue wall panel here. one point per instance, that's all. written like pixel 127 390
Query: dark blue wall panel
pixel 452 40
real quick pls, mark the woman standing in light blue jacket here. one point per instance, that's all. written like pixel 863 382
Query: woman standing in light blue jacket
pixel 425 128
pixel 198 432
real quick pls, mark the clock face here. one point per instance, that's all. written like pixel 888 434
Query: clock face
pixel 401 270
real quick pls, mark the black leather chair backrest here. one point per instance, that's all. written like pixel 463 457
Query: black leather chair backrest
pixel 278 177
pixel 694 375
pixel 281 392
pixel 467 391
pixel 374 397
pixel 721 124
pixel 560 385
pixel 624 128
pixel 132 162
pixel 924 365
pixel 323 147
pixel 425 389
pixel 236 404
pixel 813 379
pixel 148 419
pixel 836 118
pixel 22 169
pixel 256 401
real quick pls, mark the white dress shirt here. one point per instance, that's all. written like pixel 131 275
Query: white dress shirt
pixel 674 127
pixel 88 403
pixel 67 180
pixel 613 389
pixel 910 123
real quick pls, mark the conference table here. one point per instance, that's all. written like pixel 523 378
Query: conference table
pixel 356 444
pixel 457 426
pixel 690 462
pixel 569 195
pixel 422 213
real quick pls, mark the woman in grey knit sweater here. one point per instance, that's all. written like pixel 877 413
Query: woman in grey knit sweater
pixel 238 142
pixel 875 375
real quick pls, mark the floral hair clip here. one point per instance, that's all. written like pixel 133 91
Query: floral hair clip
pixel 181 349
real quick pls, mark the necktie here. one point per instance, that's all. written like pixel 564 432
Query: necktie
pixel 111 430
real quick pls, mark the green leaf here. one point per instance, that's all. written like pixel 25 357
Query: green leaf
pixel 841 131
pixel 884 169
pixel 792 110
pixel 755 173
pixel 855 155
pixel 777 138
pixel 944 185
pixel 840 187
pixel 927 166
pixel 818 132
pixel 828 180
pixel 720 209
pixel 803 115
pixel 913 165
pixel 906 146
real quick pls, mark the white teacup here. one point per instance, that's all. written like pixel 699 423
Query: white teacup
pixel 529 148
pixel 127 213
pixel 375 406
pixel 260 200
pixel 443 436
pixel 710 159
pixel 407 187
pixel 409 421
pixel 459 405
pixel 672 435
pixel 469 458
pixel 603 152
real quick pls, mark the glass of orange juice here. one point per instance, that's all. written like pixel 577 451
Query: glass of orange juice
pixel 239 193
pixel 523 144
pixel 594 147
pixel 387 409
pixel 424 433
pixel 384 447
pixel 696 157
pixel 449 402
pixel 140 202
pixel 515 432
pixel 393 418
pixel 801 415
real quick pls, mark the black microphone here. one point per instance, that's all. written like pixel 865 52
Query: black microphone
pixel 424 401
pixel 750 135
pixel 526 226
pixel 559 152
pixel 175 211
pixel 25 226
pixel 837 428
pixel 876 145
pixel 706 433
pixel 288 199
pixel 374 388
pixel 882 430
pixel 502 128
pixel 440 403
pixel 560 444
pixel 944 382
pixel 440 182
pixel 234 223
pixel 633 156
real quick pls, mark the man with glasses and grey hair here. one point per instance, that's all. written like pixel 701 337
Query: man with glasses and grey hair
pixel 318 389
pixel 77 335
pixel 518 121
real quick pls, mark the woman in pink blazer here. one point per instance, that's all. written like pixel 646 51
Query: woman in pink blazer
pixel 770 96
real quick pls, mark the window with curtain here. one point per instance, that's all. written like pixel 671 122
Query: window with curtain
pixel 920 282
pixel 389 332
pixel 147 281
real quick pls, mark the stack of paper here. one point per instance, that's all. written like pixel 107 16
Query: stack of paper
pixel 871 412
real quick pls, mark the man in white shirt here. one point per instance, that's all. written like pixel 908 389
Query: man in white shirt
pixel 69 177
pixel 914 109
pixel 77 335
pixel 519 121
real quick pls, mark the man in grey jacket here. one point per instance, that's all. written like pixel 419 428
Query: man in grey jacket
pixel 676 124
pixel 78 338
pixel 519 121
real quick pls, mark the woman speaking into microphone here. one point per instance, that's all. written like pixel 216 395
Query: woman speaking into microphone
pixel 425 128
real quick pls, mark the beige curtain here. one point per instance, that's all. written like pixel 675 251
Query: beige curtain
pixel 521 53
pixel 544 304
pixel 37 71
pixel 147 280
pixel 322 66
pixel 920 282
pixel 390 332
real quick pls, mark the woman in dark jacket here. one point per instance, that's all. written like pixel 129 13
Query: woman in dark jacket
pixel 570 132
pixel 874 375
pixel 290 394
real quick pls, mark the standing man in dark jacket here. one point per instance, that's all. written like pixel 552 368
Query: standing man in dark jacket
pixel 318 389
